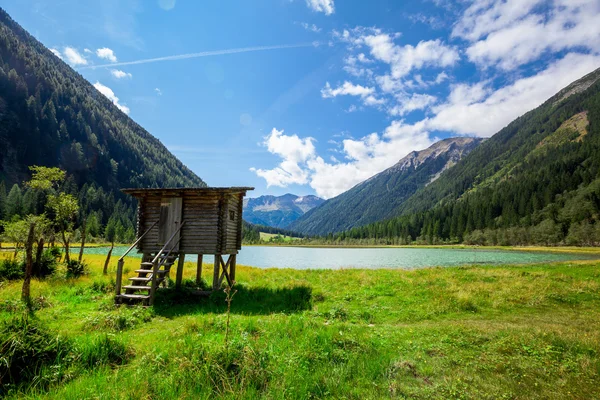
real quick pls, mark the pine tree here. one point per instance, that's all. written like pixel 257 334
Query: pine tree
pixel 14 202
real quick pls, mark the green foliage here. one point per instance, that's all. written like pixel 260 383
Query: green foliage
pixel 11 269
pixel 29 352
pixel 45 178
pixel 104 350
pixel 14 203
pixel 76 268
pixel 46 265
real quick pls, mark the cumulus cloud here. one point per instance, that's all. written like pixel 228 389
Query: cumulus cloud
pixel 294 151
pixel 106 54
pixel 117 73
pixel 56 53
pixel 413 102
pixel 158 91
pixel 512 33
pixel 482 111
pixel 324 6
pixel 106 91
pixel 73 57
pixel 363 158
pixel 404 59
pixel 350 89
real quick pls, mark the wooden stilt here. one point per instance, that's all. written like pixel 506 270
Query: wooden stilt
pixel 179 277
pixel 199 270
pixel 217 270
pixel 233 259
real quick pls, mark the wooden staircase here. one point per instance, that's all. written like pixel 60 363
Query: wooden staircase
pixel 141 287
pixel 154 270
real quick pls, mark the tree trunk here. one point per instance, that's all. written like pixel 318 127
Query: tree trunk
pixel 26 292
pixel 66 243
pixel 82 239
pixel 105 270
pixel 38 256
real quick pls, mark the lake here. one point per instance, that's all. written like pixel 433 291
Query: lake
pixel 372 258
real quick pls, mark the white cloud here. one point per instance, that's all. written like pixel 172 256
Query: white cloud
pixel 166 4
pixel 106 54
pixel 310 27
pixel 87 51
pixel 479 110
pixel 117 73
pixel 364 158
pixel 73 57
pixel 106 91
pixel 294 152
pixel 324 6
pixel 158 91
pixel 404 59
pixel 413 102
pixel 512 33
pixel 347 88
pixel 56 53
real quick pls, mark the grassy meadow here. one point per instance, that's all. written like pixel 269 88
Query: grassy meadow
pixel 477 332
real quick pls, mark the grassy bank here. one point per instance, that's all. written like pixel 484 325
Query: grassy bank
pixel 468 333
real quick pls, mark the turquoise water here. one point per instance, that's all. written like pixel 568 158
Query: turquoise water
pixel 405 258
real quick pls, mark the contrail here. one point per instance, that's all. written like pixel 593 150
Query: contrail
pixel 203 54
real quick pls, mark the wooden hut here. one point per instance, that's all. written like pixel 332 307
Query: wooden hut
pixel 175 222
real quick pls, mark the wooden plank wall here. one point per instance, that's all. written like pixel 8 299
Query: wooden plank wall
pixel 201 233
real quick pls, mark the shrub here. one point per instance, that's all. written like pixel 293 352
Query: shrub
pixel 11 269
pixel 75 269
pixel 46 265
pixel 27 349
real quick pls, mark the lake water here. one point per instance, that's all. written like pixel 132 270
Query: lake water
pixel 371 258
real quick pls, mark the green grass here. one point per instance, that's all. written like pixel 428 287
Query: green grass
pixel 268 236
pixel 466 333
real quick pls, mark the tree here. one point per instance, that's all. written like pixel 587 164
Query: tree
pixel 109 234
pixel 14 202
pixel 65 208
pixel 2 200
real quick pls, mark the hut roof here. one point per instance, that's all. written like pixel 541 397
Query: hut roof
pixel 139 192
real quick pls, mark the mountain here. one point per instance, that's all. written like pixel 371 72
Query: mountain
pixel 380 196
pixel 50 115
pixel 535 181
pixel 278 211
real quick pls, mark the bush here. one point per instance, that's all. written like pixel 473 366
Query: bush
pixel 46 265
pixel 27 351
pixel 75 269
pixel 56 253
pixel 11 269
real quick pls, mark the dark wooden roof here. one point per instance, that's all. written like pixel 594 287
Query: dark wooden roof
pixel 181 191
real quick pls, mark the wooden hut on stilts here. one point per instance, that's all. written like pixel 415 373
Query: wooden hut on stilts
pixel 173 223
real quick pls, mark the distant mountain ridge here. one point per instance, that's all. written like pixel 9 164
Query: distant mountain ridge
pixel 380 196
pixel 278 211
pixel 536 181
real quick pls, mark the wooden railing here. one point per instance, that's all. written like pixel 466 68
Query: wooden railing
pixel 156 264
pixel 122 260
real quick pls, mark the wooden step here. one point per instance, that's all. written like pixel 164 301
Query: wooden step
pixel 149 264
pixel 140 279
pixel 134 296
pixel 149 271
pixel 135 287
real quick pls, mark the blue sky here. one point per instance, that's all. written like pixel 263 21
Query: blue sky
pixel 314 96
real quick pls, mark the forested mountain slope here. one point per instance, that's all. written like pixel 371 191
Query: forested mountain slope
pixel 50 115
pixel 380 196
pixel 278 211
pixel 537 180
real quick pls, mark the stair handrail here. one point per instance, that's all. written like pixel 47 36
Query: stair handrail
pixel 137 241
pixel 156 264
pixel 167 243
pixel 121 262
